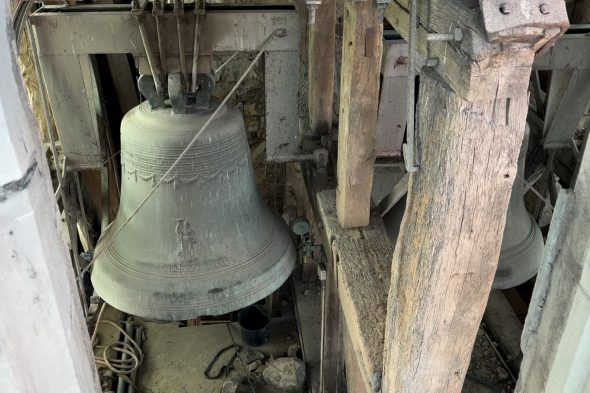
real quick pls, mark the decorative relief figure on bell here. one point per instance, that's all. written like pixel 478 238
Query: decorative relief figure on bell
pixel 185 236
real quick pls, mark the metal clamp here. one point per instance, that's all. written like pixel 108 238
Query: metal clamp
pixel 312 6
pixel 381 6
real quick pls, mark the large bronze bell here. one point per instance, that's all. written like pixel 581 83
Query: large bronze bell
pixel 522 243
pixel 204 243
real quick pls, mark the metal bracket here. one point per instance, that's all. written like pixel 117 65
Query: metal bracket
pixel 177 93
pixel 522 20
pixel 320 157
pixel 205 85
pixel 381 6
pixel 147 88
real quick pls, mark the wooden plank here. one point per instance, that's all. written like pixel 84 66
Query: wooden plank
pixel 391 119
pixel 399 190
pixel 569 52
pixel 322 55
pixel 450 238
pixel 355 381
pixel 281 89
pixel 94 32
pixel 359 92
pixel 332 366
pixel 72 96
pixel 309 311
pixel 567 102
pixel 363 260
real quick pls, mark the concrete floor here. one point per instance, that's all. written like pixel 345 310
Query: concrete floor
pixel 176 357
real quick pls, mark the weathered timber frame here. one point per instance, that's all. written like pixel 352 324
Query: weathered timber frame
pixel 68 37
pixel 472 111
pixel 322 52
pixel 362 47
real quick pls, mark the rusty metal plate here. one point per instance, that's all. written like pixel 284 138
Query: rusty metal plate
pixel 522 20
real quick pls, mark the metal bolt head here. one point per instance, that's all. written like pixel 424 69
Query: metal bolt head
pixel 504 9
pixel 458 34
pixel 431 62
pixel 544 9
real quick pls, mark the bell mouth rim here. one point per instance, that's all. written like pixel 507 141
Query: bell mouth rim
pixel 217 303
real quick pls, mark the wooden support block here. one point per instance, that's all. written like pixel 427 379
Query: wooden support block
pixel 322 52
pixel 450 238
pixel 359 94
pixel 362 260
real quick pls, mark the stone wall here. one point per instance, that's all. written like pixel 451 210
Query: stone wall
pixel 249 98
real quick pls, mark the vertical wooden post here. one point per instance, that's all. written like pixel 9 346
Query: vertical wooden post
pixel 448 247
pixel 472 110
pixel 44 344
pixel 322 52
pixel 359 98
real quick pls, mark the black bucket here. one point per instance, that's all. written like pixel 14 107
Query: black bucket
pixel 254 325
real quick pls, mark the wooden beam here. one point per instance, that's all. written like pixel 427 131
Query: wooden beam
pixel 362 264
pixel 84 32
pixel 322 54
pixel 472 111
pixel 359 94
pixel 450 238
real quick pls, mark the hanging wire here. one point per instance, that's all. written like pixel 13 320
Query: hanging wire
pixel 111 157
pixel 121 367
pixel 533 189
pixel 110 240
pixel 115 363
pixel 225 62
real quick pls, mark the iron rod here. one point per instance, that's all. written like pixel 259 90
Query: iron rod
pixel 161 50
pixel 225 62
pixel 178 10
pixel 195 49
pixel 149 54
